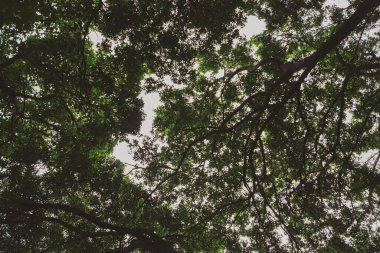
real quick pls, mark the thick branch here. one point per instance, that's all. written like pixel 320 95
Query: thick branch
pixel 335 39
pixel 143 235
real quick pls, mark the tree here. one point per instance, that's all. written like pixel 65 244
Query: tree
pixel 270 155
pixel 265 158
pixel 66 102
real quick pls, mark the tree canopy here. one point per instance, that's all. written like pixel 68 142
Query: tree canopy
pixel 268 144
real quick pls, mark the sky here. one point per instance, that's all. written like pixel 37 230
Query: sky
pixel 152 100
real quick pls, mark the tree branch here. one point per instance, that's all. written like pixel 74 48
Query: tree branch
pixel 142 235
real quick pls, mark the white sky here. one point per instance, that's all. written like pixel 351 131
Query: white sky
pixel 337 3
pixel 152 100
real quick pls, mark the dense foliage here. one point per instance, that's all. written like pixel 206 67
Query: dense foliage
pixel 269 143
